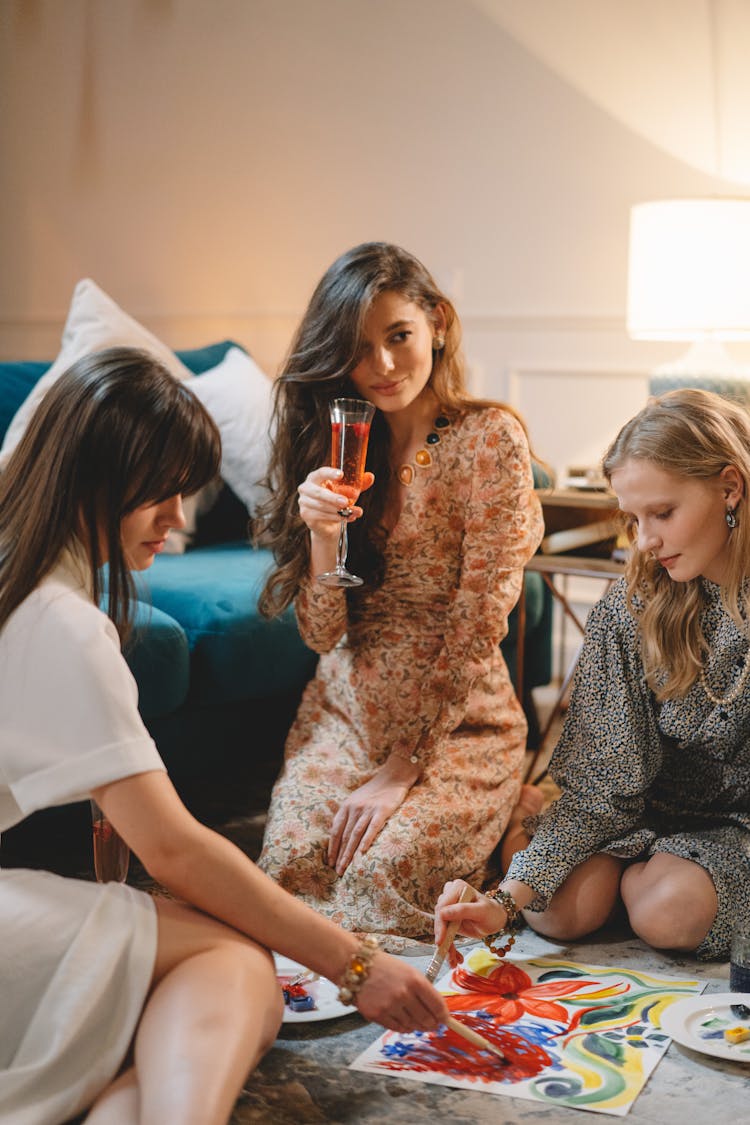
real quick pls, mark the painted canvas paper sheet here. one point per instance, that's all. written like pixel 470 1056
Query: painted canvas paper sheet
pixel 574 1035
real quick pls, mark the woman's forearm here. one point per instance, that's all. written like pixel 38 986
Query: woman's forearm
pixel 522 893
pixel 216 877
pixel 322 554
pixel 200 866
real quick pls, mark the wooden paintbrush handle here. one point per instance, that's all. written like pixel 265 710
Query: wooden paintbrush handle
pixel 473 1037
pixel 467 895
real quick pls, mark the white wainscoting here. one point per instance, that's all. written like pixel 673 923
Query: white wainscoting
pixel 574 413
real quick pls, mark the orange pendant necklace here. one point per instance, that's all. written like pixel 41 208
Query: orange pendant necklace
pixel 423 456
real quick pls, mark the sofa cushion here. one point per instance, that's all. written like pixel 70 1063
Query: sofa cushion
pixel 159 657
pixel 238 396
pixel 17 380
pixel 235 653
pixel 19 377
pixel 198 360
pixel 94 322
pixel 537 647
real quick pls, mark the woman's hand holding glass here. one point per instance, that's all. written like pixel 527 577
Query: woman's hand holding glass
pixel 319 507
pixel 350 433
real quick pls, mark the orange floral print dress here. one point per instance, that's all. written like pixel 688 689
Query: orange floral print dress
pixel 415 665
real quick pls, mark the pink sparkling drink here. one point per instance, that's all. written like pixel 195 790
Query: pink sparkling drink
pixel 350 431
pixel 349 453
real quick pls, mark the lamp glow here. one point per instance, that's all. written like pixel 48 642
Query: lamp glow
pixel 689 277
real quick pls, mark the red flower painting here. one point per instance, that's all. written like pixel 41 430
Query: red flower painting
pixel 584 1036
pixel 507 993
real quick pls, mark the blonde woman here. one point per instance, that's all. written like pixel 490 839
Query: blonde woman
pixel 654 760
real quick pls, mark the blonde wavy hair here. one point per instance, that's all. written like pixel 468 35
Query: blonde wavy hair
pixel 697 434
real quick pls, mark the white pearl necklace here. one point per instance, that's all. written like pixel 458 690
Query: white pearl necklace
pixel 736 690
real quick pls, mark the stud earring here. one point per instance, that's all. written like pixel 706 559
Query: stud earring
pixel 731 518
pixel 438 342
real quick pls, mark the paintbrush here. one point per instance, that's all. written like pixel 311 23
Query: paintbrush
pixel 474 1037
pixel 467 895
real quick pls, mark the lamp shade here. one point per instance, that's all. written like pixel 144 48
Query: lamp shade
pixel 689 270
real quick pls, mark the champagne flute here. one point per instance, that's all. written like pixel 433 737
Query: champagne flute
pixel 111 853
pixel 350 430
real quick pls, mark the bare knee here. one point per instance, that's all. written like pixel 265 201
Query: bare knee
pixel 242 971
pixel 662 921
pixel 252 984
pixel 671 902
pixel 561 923
pixel 583 903
pixel 184 932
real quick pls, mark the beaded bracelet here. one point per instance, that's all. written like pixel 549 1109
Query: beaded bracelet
pixel 358 969
pixel 512 913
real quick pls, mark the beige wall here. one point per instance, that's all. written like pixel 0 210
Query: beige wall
pixel 205 160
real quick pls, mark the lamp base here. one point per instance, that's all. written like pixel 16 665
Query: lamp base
pixel 707 366
pixel 705 358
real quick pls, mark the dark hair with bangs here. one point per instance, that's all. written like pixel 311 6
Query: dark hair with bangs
pixel 114 432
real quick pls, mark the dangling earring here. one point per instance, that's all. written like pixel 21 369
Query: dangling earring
pixel 731 518
pixel 438 342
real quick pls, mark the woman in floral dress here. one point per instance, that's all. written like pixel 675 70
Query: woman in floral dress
pixel 403 764
pixel 654 760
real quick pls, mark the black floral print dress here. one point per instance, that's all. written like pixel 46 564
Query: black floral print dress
pixel 640 777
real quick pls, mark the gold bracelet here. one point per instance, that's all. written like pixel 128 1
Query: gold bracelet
pixel 358 969
pixel 512 914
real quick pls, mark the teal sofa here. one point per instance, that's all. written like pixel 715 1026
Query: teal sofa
pixel 218 684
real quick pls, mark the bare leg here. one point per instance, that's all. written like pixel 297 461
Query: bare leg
pixel 214 1010
pixel 583 903
pixel 671 902
pixel 516 838
pixel 120 1102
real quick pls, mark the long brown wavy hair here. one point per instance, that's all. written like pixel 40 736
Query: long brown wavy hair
pixel 114 432
pixel 325 350
pixel 691 433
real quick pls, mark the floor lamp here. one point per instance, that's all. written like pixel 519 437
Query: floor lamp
pixel 689 280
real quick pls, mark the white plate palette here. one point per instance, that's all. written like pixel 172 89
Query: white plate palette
pixel 324 992
pixel 699 1022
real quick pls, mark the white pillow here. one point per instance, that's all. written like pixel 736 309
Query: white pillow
pixel 237 395
pixel 94 322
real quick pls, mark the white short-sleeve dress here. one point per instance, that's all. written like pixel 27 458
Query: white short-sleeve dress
pixel 76 957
